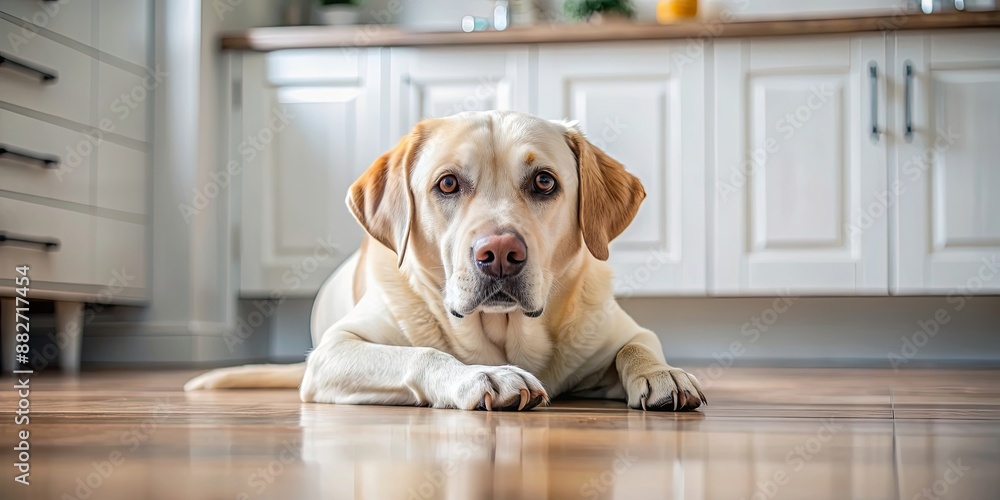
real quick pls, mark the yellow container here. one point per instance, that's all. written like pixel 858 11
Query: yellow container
pixel 670 11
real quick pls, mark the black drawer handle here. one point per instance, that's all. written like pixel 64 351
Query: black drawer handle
pixel 47 75
pixel 20 154
pixel 47 244
pixel 908 104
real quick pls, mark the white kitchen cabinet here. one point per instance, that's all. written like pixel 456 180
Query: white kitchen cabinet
pixel 124 29
pixel 643 103
pixel 946 169
pixel 772 164
pixel 436 82
pixel 308 126
pixel 73 199
pixel 799 175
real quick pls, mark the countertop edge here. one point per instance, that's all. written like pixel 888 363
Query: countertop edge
pixel 301 37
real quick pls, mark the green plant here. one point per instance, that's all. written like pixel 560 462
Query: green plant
pixel 581 10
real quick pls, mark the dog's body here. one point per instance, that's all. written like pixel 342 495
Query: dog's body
pixel 482 282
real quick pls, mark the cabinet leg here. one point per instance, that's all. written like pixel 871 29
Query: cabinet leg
pixel 8 320
pixel 69 322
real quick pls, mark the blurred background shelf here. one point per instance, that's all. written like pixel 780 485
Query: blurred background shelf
pixel 298 37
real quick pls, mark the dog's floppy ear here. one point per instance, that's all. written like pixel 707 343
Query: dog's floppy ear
pixel 609 194
pixel 381 200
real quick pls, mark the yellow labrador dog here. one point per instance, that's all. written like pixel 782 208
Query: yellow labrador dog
pixel 482 284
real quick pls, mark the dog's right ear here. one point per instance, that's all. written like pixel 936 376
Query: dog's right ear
pixel 381 200
pixel 609 194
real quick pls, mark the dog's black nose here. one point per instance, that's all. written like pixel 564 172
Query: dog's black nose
pixel 500 255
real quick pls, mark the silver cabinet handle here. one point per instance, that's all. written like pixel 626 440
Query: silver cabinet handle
pixel 908 104
pixel 873 77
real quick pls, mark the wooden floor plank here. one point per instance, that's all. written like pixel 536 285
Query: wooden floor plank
pixel 767 433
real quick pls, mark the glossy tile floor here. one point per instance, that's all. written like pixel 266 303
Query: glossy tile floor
pixel 767 434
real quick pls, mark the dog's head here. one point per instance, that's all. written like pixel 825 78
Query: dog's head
pixel 495 205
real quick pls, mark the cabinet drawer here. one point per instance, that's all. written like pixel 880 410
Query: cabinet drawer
pixel 72 262
pixel 120 252
pixel 122 101
pixel 125 29
pixel 67 97
pixel 69 181
pixel 71 19
pixel 121 178
pixel 313 66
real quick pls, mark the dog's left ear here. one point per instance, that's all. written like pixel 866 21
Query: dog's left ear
pixel 381 200
pixel 609 194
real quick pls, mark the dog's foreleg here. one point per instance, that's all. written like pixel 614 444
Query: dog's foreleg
pixel 347 369
pixel 652 384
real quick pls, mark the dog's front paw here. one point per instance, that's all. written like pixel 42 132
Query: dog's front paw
pixel 493 388
pixel 664 388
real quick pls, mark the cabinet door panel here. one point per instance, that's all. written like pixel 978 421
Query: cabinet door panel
pixel 946 171
pixel 968 101
pixel 795 205
pixel 303 144
pixel 797 171
pixel 432 83
pixel 644 108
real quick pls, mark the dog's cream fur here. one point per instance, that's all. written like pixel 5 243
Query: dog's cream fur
pixel 403 321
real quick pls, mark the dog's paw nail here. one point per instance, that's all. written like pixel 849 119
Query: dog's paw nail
pixel 525 397
pixel 488 399
pixel 643 403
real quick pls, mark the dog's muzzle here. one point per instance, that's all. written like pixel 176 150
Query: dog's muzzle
pixel 499 259
pixel 500 295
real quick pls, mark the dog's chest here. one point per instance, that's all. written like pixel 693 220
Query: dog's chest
pixel 518 340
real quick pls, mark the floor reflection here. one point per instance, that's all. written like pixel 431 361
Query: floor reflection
pixel 768 434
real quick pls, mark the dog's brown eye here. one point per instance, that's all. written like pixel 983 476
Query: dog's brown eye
pixel 545 183
pixel 448 184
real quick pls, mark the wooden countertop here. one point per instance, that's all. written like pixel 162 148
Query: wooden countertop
pixel 298 37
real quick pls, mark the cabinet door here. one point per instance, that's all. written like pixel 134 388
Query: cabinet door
pixel 946 170
pixel 800 177
pixel 431 83
pixel 309 128
pixel 643 103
